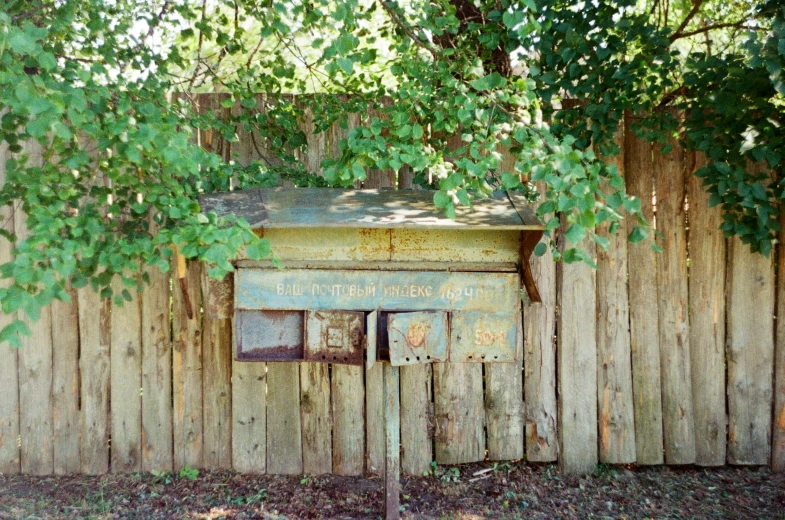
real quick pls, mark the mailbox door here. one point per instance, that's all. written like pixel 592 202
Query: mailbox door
pixel 417 337
pixel 269 335
pixel 370 340
pixel 483 338
pixel 334 337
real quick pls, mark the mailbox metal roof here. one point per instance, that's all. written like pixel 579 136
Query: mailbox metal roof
pixel 338 208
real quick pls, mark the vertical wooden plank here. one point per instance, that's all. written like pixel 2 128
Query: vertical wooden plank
pixel 249 415
pixel 348 402
pixel 642 283
pixel 9 382
pixel 216 344
pixel 416 411
pixel 374 398
pixel 677 409
pixel 577 364
pixel 35 372
pixel 187 372
pixel 284 434
pixel 539 362
pixel 504 390
pixel 614 370
pixel 392 441
pixel 707 323
pixel 94 368
pixel 750 354
pixel 778 435
pixel 156 373
pixel 504 405
pixel 65 385
pixel 374 415
pixel 315 417
pixel 126 383
pixel 459 413
pixel 35 397
pixel 417 400
pixel 217 352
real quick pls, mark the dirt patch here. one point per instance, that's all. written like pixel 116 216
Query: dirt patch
pixel 463 492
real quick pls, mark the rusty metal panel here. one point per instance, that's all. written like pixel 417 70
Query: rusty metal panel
pixel 269 335
pixel 417 337
pixel 370 339
pixel 334 337
pixel 294 289
pixel 330 244
pixel 452 245
pixel 218 296
pixel 483 337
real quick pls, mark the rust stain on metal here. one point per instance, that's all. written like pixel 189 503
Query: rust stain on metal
pixel 269 335
pixel 218 296
pixel 334 337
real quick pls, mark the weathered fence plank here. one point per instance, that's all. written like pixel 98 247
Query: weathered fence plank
pixel 459 413
pixel 374 388
pixel 504 405
pixel 316 420
pixel 417 402
pixel 504 390
pixel 249 417
pixel 94 368
pixel 577 365
pixel 778 433
pixel 35 397
pixel 614 370
pixel 35 370
pixel 187 370
pixel 707 323
pixel 750 354
pixel 9 404
pixel 539 362
pixel 677 410
pixel 284 433
pixel 156 373
pixel 65 385
pixel 126 383
pixel 644 335
pixel 9 382
pixel 416 419
pixel 348 405
pixel 217 373
pixel 374 418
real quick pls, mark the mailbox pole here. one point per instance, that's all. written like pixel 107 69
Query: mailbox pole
pixel 392 442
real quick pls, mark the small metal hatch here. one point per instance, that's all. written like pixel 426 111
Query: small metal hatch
pixel 335 337
pixel 417 337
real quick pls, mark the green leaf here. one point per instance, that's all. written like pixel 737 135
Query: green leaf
pixel 441 199
pixel 540 249
pixel 575 233
pixel 259 249
pixel 638 234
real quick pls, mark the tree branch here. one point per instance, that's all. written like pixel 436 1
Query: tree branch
pixel 408 30
pixel 707 28
pixel 696 5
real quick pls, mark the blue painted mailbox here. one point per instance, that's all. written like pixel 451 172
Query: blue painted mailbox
pixel 371 275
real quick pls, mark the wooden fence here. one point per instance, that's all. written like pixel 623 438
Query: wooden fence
pixel 653 358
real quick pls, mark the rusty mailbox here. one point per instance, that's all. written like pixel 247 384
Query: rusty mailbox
pixel 372 275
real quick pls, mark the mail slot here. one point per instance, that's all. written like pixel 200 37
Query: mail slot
pixel 335 337
pixel 369 275
pixel 269 335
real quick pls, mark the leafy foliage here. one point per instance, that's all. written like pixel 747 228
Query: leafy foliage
pixel 97 110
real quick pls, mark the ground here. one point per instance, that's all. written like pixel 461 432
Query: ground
pixel 464 492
